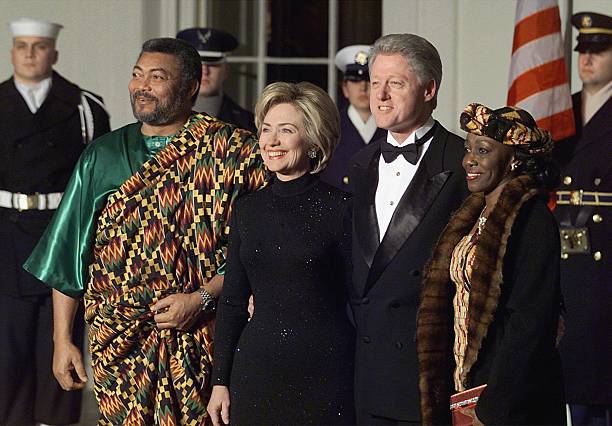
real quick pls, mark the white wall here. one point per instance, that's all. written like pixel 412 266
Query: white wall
pixel 474 38
pixel 437 21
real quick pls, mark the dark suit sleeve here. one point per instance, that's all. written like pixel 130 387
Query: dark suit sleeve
pixel 232 314
pixel 530 313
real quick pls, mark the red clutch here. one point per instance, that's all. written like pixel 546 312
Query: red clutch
pixel 466 399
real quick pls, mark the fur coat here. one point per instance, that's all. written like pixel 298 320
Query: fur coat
pixel 513 313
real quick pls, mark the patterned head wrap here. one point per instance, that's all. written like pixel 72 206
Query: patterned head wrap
pixel 508 125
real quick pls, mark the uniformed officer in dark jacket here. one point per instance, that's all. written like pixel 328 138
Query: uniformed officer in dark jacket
pixel 45 122
pixel 584 211
pixel 213 46
pixel 357 125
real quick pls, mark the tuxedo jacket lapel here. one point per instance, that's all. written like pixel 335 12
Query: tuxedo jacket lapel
pixel 413 206
pixel 365 183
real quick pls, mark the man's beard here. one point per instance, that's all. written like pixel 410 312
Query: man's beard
pixel 164 112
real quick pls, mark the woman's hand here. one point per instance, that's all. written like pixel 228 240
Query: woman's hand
pixel 219 404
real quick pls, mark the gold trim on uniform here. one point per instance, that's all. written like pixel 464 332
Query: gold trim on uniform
pixel 361 58
pixel 580 197
pixel 595 30
pixel 597 256
pixel 587 21
pixel 574 240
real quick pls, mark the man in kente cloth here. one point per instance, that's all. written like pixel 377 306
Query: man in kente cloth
pixel 140 234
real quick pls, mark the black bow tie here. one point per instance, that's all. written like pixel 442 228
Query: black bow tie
pixel 410 151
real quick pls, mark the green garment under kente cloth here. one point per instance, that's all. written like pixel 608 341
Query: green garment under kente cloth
pixel 65 251
pixel 134 227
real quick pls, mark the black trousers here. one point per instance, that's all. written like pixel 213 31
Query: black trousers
pixel 29 393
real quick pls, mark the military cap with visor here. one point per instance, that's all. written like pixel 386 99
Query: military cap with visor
pixel 353 62
pixel 594 31
pixel 213 45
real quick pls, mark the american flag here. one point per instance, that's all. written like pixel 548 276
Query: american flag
pixel 538 79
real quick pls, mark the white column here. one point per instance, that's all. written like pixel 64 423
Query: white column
pixel 187 14
pixel 261 45
pixel 169 18
pixel 332 48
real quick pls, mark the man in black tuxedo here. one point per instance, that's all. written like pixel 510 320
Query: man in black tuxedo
pixel 406 186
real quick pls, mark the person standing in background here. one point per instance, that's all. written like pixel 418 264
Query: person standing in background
pixel 583 207
pixel 46 122
pixel 357 124
pixel 213 46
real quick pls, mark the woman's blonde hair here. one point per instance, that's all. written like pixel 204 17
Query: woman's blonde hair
pixel 320 116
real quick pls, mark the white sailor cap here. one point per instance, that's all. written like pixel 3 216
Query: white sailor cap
pixel 35 28
pixel 353 62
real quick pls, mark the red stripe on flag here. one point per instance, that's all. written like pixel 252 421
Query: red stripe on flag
pixel 538 25
pixel 561 125
pixel 541 78
pixel 537 79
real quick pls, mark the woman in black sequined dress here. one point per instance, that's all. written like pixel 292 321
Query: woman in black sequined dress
pixel 292 363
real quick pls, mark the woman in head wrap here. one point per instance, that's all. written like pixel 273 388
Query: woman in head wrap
pixel 491 298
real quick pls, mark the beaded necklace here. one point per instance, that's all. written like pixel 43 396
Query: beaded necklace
pixel 482 220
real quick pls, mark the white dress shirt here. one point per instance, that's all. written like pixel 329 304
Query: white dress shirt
pixel 366 130
pixel 34 95
pixel 592 103
pixel 394 177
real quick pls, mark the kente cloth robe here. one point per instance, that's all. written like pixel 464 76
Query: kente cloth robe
pixel 133 228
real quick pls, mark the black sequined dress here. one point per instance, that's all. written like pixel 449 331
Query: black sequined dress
pixel 293 362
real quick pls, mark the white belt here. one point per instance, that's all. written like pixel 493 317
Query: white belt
pixel 16 200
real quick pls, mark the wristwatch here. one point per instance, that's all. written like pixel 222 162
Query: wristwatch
pixel 208 302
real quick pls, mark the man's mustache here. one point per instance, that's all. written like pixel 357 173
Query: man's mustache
pixel 143 94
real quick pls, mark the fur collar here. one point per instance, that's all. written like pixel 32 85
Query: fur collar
pixel 435 316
